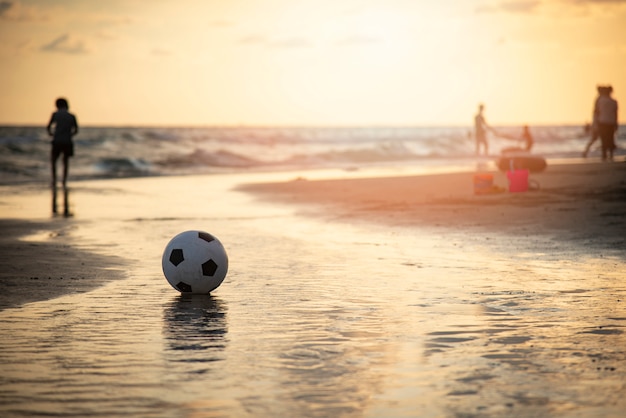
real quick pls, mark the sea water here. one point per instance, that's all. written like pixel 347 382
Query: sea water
pixel 109 152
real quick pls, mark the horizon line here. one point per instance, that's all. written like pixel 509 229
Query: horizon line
pixel 290 126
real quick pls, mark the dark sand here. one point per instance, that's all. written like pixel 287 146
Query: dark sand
pixel 35 270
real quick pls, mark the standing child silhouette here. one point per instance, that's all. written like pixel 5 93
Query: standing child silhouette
pixel 62 127
pixel 480 130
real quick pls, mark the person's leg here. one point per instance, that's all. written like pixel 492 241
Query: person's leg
pixel 480 140
pixel 53 165
pixel 66 166
pixel 605 138
pixel 594 138
pixel 53 160
pixel 612 145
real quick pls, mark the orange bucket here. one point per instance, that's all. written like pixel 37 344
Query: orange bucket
pixel 483 183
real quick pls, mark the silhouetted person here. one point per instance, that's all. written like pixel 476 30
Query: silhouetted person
pixel 593 128
pixel 528 139
pixel 62 127
pixel 605 113
pixel 480 130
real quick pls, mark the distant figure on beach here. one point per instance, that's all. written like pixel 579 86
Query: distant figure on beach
pixel 62 127
pixel 480 130
pixel 605 114
pixel 527 137
pixel 593 130
pixel 593 127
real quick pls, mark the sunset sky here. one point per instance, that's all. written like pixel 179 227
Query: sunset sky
pixel 310 62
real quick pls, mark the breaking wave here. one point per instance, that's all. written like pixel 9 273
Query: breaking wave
pixel 147 151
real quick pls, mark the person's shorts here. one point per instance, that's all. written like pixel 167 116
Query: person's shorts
pixel 67 149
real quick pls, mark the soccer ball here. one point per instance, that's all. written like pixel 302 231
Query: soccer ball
pixel 195 262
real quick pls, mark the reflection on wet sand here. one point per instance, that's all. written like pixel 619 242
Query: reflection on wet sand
pixel 195 329
pixel 66 200
pixel 526 356
pixel 334 364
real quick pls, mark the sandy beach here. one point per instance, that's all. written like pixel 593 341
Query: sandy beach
pixel 579 202
pixel 361 295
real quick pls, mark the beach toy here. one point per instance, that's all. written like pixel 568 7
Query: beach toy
pixel 522 160
pixel 518 180
pixel 483 183
pixel 195 262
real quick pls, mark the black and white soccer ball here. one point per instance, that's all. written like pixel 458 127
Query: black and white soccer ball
pixel 195 262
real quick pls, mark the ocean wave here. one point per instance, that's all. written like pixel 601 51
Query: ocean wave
pixel 389 151
pixel 122 167
pixel 202 158
pixel 127 151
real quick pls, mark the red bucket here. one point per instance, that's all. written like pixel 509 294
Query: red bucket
pixel 518 180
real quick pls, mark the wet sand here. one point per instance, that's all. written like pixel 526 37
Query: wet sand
pixel 580 203
pixel 361 296
pixel 39 269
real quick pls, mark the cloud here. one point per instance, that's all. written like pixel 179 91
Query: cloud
pixel 523 6
pixel 221 23
pixel 66 44
pixel 531 6
pixel 108 20
pixel 106 35
pixel 161 52
pixel 511 6
pixel 16 11
pixel 303 42
pixel 291 43
pixel 5 6
pixel 357 40
pixel 253 40
pixel 294 42
pixel 601 1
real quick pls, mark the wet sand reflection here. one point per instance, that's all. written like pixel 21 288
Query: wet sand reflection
pixel 195 329
pixel 524 355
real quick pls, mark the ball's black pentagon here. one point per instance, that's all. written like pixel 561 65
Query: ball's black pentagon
pixel 209 268
pixel 183 287
pixel 176 256
pixel 206 236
